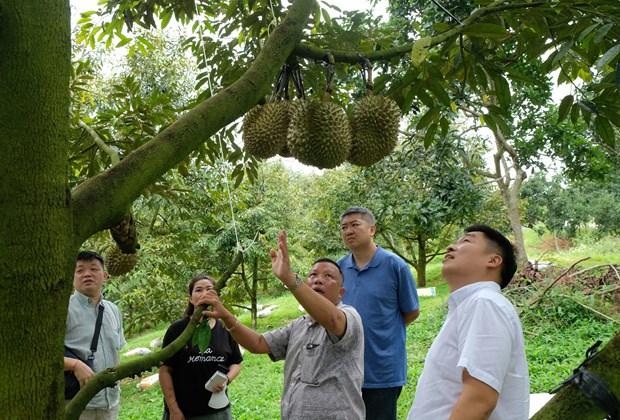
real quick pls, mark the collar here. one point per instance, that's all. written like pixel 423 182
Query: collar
pixel 459 295
pixel 85 300
pixel 374 261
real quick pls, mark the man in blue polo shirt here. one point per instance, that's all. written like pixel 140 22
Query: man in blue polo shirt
pixel 380 286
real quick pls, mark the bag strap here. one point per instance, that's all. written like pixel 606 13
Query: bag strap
pixel 95 340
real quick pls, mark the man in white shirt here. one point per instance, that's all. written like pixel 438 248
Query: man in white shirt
pixel 476 367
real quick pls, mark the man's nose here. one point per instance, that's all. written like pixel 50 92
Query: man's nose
pixel 451 248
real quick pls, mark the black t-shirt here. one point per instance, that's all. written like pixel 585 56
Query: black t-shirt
pixel 192 369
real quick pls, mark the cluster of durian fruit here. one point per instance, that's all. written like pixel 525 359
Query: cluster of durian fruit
pixel 118 263
pixel 319 133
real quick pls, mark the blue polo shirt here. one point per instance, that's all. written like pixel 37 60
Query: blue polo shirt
pixel 381 292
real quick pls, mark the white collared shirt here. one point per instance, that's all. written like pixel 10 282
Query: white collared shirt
pixel 483 334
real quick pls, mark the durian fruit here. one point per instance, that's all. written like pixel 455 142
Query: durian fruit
pixel 265 128
pixel 319 133
pixel 117 263
pixel 374 129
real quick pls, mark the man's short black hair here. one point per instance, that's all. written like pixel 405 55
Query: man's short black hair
pixel 329 260
pixel 89 256
pixel 505 248
pixel 366 214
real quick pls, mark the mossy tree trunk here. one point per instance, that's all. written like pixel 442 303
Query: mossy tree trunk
pixel 42 223
pixel 36 246
pixel 571 403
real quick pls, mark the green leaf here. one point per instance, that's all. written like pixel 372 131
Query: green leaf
pixel 601 32
pixel 618 75
pixel 608 56
pixel 438 91
pixel 586 32
pixel 605 130
pixel 202 336
pixel 429 137
pixel 565 106
pixel 326 17
pixel 430 116
pixel 502 90
pixel 419 50
pixel 574 114
pixel 486 30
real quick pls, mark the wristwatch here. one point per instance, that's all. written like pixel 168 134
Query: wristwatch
pixel 298 281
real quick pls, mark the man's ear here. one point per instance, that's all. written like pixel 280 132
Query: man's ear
pixel 341 292
pixel 373 229
pixel 106 276
pixel 495 261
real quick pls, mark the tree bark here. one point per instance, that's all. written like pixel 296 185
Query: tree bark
pixel 36 242
pixel 570 402
pixel 421 265
pixel 42 224
pixel 510 193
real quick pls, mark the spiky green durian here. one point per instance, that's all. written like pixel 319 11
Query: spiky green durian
pixel 265 128
pixel 319 133
pixel 117 263
pixel 374 129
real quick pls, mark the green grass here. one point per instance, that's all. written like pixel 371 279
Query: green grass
pixel 557 334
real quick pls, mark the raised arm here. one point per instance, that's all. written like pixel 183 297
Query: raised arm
pixel 319 295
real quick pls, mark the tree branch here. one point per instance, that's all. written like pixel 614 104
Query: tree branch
pixel 110 376
pixel 101 201
pixel 226 275
pixel 99 142
pixel 353 57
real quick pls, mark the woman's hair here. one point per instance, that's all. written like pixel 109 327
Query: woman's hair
pixel 189 311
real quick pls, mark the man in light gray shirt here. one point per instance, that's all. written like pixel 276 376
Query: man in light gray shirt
pixel 88 280
pixel 323 352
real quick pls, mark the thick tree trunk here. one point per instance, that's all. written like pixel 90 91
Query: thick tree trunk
pixel 41 223
pixel 36 243
pixel 571 403
pixel 421 265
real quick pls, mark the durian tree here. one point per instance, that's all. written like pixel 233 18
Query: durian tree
pixel 241 46
pixel 431 195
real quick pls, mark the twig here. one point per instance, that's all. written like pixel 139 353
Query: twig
pixel 594 267
pixel 537 300
pixel 605 291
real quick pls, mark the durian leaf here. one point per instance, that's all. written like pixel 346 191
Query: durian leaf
pixel 429 137
pixel 605 131
pixel 608 56
pixel 419 51
pixel 565 106
pixel 430 116
pixel 202 336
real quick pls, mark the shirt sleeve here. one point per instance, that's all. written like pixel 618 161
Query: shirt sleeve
pixel 485 342
pixel 278 341
pixel 407 292
pixel 354 330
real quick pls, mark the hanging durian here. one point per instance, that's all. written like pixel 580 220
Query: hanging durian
pixel 319 133
pixel 374 127
pixel 265 129
pixel 117 263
